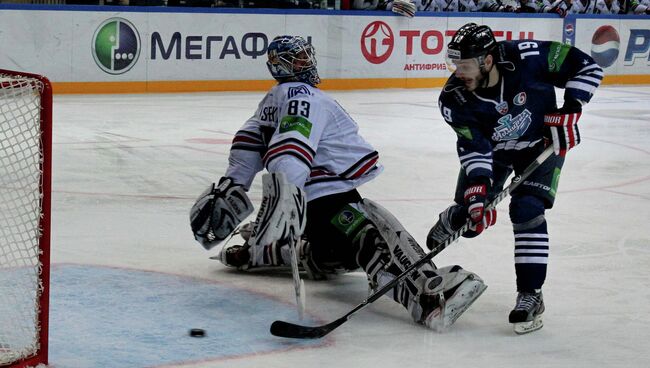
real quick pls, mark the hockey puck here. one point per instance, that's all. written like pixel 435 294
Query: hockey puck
pixel 197 332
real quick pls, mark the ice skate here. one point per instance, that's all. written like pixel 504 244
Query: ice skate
pixel 273 257
pixel 442 309
pixel 237 256
pixel 244 257
pixel 527 315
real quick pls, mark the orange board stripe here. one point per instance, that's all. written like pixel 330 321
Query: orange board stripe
pixel 263 85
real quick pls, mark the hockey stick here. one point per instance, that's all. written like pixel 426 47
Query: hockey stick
pixel 298 284
pixel 290 330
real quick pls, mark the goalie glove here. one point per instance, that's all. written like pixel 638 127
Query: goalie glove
pixel 283 213
pixel 218 211
pixel 563 129
pixel 404 7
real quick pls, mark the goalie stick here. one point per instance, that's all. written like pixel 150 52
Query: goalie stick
pixel 291 330
pixel 298 284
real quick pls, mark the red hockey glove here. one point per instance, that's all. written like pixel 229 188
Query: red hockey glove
pixel 563 129
pixel 475 197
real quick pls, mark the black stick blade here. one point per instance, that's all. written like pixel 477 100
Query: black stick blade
pixel 293 331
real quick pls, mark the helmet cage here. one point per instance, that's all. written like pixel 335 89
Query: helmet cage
pixel 292 58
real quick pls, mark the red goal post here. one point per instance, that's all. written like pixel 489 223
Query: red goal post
pixel 25 205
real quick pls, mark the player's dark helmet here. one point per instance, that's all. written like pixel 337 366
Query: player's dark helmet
pixel 292 58
pixel 471 41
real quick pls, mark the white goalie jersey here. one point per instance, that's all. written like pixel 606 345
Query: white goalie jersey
pixel 300 131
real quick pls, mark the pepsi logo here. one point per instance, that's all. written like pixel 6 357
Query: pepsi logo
pixel 605 46
pixel 568 30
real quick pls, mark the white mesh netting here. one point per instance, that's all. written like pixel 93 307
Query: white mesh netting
pixel 21 156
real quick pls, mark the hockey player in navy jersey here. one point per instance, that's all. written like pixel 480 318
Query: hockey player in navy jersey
pixel 501 103
pixel 316 160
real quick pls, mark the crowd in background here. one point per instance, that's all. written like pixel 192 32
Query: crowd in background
pixel 408 8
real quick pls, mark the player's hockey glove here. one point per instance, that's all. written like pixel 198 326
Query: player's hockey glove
pixel 218 211
pixel 563 128
pixel 404 7
pixel 475 197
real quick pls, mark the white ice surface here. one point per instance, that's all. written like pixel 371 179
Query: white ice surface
pixel 127 168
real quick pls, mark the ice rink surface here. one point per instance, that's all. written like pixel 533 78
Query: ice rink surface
pixel 128 279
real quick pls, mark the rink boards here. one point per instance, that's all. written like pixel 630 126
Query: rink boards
pixel 85 49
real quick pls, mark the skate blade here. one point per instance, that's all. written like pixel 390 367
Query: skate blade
pixel 522 328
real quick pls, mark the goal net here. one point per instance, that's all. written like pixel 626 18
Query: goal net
pixel 25 149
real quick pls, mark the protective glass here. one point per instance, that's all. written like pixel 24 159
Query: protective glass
pixel 463 66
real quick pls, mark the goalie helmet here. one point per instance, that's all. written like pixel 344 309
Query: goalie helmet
pixel 292 58
pixel 471 41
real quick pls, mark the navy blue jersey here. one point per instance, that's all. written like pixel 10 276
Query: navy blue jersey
pixel 500 121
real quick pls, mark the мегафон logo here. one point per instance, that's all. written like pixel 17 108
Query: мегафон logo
pixel 116 46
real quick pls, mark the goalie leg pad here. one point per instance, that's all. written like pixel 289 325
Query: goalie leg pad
pixel 434 297
pixel 218 211
pixel 403 247
pixel 283 213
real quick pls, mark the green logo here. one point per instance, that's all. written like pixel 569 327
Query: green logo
pixel 348 220
pixel 463 132
pixel 116 46
pixel 556 55
pixel 295 123
pixel 555 182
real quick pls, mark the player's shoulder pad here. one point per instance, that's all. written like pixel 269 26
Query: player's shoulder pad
pixel 293 90
pixel 453 93
pixel 508 47
pixel 301 109
pixel 527 56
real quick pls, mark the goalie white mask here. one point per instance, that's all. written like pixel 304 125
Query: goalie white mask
pixel 292 58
